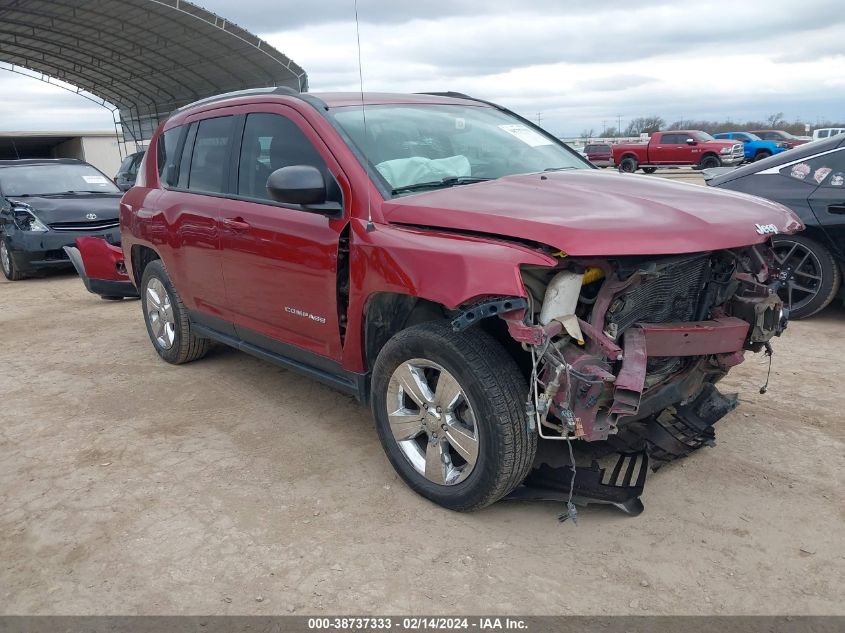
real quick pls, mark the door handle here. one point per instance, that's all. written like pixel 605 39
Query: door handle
pixel 838 209
pixel 236 224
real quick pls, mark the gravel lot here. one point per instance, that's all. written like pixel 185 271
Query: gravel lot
pixel 230 486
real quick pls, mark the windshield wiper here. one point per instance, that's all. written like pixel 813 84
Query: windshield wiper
pixel 445 182
pixel 48 194
pixel 560 168
pixel 89 191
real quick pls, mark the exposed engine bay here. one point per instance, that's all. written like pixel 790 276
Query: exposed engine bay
pixel 626 353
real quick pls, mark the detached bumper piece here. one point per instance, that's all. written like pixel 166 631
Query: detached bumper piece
pixel 101 267
pixel 682 429
pixel 622 488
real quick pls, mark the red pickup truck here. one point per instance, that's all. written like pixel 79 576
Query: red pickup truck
pixel 677 147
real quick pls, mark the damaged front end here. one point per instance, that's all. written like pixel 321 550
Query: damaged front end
pixel 626 352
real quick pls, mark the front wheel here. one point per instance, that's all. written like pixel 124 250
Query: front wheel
pixel 709 162
pixel 763 153
pixel 450 414
pixel 809 275
pixel 7 263
pixel 167 318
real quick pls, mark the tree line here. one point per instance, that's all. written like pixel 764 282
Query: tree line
pixel 650 124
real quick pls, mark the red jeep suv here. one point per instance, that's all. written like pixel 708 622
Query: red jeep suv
pixel 479 283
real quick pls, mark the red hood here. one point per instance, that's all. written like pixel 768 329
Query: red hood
pixel 588 212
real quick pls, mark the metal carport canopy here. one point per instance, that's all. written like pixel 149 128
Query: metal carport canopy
pixel 144 57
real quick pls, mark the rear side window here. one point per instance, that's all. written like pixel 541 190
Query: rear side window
pixel 827 170
pixel 167 155
pixel 824 133
pixel 132 170
pixel 209 158
pixel 270 142
pixel 674 139
pixel 125 165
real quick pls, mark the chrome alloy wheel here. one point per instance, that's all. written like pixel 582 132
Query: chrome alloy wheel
pixel 799 272
pixel 160 314
pixel 432 421
pixel 5 258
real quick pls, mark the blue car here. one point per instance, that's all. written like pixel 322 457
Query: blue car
pixel 755 147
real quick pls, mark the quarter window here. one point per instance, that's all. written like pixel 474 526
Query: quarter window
pixel 167 155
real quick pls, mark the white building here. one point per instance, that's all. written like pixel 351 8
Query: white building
pixel 98 148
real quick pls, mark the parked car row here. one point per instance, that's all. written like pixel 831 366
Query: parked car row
pixel 668 149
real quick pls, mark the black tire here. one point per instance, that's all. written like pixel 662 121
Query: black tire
pixel 649 170
pixel 763 153
pixel 186 346
pixel 7 262
pixel 710 161
pixel 496 391
pixel 628 165
pixel 821 263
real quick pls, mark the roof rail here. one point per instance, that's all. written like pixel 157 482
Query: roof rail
pixel 274 90
pixel 453 95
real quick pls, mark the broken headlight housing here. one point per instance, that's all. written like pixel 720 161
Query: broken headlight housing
pixel 25 220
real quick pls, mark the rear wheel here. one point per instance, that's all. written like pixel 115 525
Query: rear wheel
pixel 8 264
pixel 450 414
pixel 809 275
pixel 710 161
pixel 167 319
pixel 628 165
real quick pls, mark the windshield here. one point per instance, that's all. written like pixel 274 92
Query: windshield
pixel 702 136
pixel 51 179
pixel 424 145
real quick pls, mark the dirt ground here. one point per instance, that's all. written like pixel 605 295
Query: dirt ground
pixel 230 486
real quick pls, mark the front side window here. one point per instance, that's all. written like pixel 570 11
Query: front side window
pixel 270 142
pixel 50 179
pixel 209 156
pixel 702 136
pixel 419 146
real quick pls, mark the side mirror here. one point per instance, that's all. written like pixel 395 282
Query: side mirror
pixel 297 184
pixel 691 141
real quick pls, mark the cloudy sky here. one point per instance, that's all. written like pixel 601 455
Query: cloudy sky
pixel 581 65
